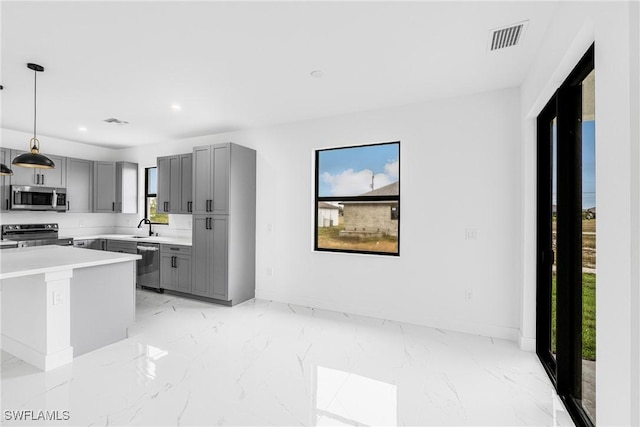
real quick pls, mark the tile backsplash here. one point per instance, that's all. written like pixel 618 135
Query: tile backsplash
pixel 89 224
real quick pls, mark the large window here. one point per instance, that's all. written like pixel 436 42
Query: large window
pixel 151 197
pixel 357 203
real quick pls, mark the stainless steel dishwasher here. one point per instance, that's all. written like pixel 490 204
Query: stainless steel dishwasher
pixel 149 266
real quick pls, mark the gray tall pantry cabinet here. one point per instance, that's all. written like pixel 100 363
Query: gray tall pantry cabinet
pixel 224 222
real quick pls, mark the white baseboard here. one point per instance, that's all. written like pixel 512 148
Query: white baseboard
pixel 42 361
pixel 527 344
pixel 473 328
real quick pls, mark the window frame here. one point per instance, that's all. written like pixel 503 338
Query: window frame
pixel 330 199
pixel 147 195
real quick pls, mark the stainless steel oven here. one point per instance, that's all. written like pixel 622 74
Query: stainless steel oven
pixel 32 198
pixel 34 235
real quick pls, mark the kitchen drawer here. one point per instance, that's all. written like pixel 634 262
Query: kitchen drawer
pixel 175 249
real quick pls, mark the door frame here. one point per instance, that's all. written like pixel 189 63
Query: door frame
pixel 565 370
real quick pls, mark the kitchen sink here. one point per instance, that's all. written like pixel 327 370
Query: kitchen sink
pixel 139 237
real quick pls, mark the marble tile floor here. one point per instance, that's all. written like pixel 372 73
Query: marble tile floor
pixel 188 362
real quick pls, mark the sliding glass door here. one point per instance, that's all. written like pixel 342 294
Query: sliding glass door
pixel 566 269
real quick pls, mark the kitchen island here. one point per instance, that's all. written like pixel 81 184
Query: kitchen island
pixel 59 302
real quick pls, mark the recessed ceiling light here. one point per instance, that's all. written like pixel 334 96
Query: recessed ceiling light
pixel 82 129
pixel 317 74
pixel 176 107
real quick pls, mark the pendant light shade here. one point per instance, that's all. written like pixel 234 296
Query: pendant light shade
pixel 4 170
pixel 34 159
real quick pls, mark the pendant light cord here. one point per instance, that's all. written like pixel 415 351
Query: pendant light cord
pixel 35 89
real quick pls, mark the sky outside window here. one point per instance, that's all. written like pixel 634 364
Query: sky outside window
pixel 348 171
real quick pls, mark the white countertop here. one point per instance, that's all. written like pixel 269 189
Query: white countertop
pixel 45 259
pixel 184 241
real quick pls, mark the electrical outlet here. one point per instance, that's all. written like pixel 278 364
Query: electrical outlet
pixel 57 298
pixel 471 234
pixel 269 228
pixel 468 295
pixel 269 271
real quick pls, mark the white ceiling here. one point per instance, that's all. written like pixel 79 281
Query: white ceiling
pixel 239 65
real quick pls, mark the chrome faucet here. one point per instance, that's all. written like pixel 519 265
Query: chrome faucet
pixel 145 221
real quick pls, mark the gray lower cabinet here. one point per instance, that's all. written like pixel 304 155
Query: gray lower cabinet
pixel 115 187
pixel 56 177
pixel 210 257
pixel 5 194
pixel 175 268
pixel 79 185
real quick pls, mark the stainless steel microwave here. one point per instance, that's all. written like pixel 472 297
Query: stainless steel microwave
pixel 31 198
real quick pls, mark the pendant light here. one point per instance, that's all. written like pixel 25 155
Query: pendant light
pixel 4 170
pixel 34 159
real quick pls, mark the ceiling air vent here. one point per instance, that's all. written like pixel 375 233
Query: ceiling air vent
pixel 116 121
pixel 500 38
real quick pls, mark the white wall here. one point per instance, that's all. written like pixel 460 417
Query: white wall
pixel 458 171
pixel 614 28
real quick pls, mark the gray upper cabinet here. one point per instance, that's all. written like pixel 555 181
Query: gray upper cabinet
pixel 164 183
pixel 211 179
pixel 186 183
pixel 174 184
pixel 56 177
pixel 115 187
pixel 126 187
pixel 104 186
pixel 79 185
pixel 5 194
pixel 202 185
pixel 224 232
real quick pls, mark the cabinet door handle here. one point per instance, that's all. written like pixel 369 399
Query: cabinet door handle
pixel 68 205
pixel 166 206
pixel 42 179
pixel 37 178
pixel 103 245
pixel 7 203
pixel 174 262
pixel 113 206
pixel 189 207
